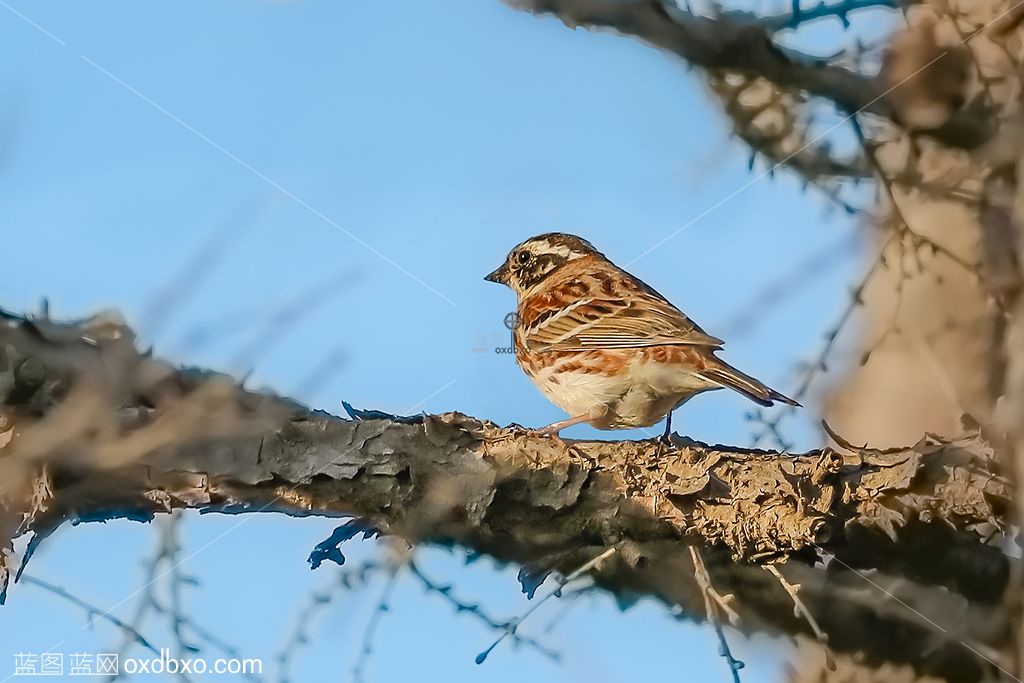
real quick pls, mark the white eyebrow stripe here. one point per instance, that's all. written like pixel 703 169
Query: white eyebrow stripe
pixel 558 250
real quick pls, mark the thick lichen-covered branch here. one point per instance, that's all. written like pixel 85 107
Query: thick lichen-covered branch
pixel 102 431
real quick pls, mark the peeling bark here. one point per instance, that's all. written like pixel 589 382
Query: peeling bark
pixel 104 432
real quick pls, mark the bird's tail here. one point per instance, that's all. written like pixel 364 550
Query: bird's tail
pixel 726 375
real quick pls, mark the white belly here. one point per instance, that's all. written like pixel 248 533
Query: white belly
pixel 639 397
pixel 576 391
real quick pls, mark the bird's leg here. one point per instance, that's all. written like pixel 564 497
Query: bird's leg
pixel 667 436
pixel 598 412
pixel 555 427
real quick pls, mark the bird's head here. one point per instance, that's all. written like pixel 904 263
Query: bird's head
pixel 533 261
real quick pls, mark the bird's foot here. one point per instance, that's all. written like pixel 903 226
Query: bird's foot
pixel 553 432
pixel 554 428
pixel 665 440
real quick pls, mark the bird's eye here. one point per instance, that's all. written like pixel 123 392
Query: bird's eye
pixel 523 257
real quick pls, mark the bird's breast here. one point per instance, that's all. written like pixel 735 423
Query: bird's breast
pixel 636 386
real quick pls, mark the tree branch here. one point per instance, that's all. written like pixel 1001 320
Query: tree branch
pixel 840 9
pixel 118 434
pixel 741 42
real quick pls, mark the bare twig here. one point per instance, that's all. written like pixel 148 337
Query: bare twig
pixel 475 610
pixel 167 555
pixel 741 42
pixel 713 603
pixel 93 611
pixel 347 578
pixel 176 613
pixel 514 624
pixel 819 364
pixel 791 283
pixel 382 608
pixel 903 227
pixel 799 608
pixel 841 10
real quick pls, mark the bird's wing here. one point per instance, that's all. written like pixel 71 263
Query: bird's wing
pixel 629 315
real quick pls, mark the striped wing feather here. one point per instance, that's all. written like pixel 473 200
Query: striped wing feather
pixel 608 318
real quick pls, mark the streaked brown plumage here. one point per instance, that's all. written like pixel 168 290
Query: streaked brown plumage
pixel 604 346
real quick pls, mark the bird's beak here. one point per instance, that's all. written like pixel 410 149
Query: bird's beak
pixel 500 275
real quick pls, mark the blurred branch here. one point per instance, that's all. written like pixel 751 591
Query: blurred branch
pixel 817 366
pixel 716 606
pixel 776 125
pixel 508 627
pixel 592 564
pixel 742 42
pixel 94 613
pixel 383 607
pixel 840 10
pixel 790 284
pixel 346 579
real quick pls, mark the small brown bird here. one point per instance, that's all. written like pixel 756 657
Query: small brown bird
pixel 605 347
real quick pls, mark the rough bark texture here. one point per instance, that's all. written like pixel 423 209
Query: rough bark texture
pixel 943 333
pixel 100 431
pixel 890 547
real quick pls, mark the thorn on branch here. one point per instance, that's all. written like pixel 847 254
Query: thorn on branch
pixel 839 441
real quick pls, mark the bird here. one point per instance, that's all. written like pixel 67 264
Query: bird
pixel 604 346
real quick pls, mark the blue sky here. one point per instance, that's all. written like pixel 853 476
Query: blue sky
pixel 365 164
